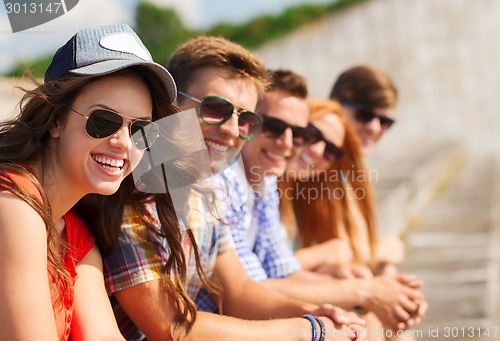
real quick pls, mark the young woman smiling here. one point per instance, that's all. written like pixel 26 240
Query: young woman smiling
pixel 75 135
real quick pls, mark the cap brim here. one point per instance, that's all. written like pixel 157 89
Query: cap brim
pixel 110 66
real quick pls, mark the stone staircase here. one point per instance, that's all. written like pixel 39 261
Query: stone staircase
pixel 407 180
pixel 445 204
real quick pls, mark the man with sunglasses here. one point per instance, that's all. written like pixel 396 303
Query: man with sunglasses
pixel 368 97
pixel 260 242
pixel 222 81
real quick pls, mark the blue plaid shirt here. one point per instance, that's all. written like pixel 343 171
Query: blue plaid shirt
pixel 270 256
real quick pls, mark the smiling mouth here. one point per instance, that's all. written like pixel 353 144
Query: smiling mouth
pixel 275 157
pixel 217 147
pixel 109 164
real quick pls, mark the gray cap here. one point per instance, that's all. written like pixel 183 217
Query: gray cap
pixel 103 50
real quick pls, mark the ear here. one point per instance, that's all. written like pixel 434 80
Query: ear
pixel 55 130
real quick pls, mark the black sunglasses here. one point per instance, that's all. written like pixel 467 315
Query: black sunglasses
pixel 332 152
pixel 102 123
pixel 215 110
pixel 274 127
pixel 365 115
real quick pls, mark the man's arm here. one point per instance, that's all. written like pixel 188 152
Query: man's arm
pixel 245 298
pixel 391 300
pixel 150 310
pixel 332 257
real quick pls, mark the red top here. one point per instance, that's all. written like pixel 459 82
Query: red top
pixel 79 241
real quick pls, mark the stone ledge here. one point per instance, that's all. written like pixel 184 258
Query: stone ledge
pixel 457 257
pixel 412 192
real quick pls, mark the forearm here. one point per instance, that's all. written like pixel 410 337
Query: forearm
pixel 251 300
pixel 333 252
pixel 344 293
pixel 309 257
pixel 256 301
pixel 221 328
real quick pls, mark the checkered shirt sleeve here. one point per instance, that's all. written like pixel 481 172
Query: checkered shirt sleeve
pixel 212 241
pixel 237 217
pixel 139 258
pixel 140 254
pixel 271 246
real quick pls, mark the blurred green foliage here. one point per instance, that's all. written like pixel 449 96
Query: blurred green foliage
pixel 266 28
pixel 162 30
pixel 34 68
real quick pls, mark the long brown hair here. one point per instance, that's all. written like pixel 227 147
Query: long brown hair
pixel 23 143
pixel 321 219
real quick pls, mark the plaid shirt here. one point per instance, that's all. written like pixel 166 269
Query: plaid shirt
pixel 142 253
pixel 269 256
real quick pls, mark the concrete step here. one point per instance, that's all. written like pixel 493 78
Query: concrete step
pixel 452 245
pixel 408 177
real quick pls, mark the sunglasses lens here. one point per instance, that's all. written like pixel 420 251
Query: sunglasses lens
pixel 385 122
pixel 332 152
pixel 249 124
pixel 103 123
pixel 300 136
pixel 313 134
pixel 273 127
pixel 215 110
pixel 329 156
pixel 144 133
pixel 364 115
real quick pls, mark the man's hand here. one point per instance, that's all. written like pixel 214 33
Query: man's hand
pixel 338 315
pixel 396 304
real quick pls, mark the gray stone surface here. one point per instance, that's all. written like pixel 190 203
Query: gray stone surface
pixel 408 180
pixel 453 248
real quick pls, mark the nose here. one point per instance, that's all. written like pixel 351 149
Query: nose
pixel 230 127
pixel 374 125
pixel 317 149
pixel 122 139
pixel 285 141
